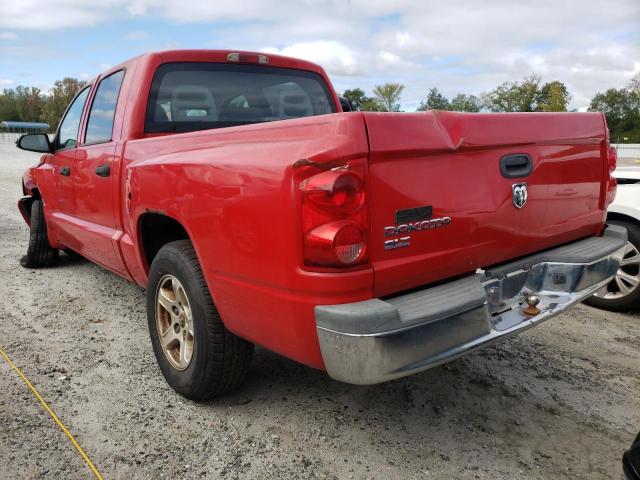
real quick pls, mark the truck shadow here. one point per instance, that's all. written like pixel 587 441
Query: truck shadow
pixel 68 259
pixel 485 393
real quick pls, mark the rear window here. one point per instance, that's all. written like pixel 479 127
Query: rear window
pixel 186 97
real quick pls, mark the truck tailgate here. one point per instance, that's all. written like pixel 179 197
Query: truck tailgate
pixel 441 165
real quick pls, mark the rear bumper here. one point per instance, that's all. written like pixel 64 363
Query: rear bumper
pixel 378 340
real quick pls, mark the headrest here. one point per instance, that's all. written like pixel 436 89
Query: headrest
pixel 293 105
pixel 193 103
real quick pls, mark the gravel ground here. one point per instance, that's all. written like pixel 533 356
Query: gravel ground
pixel 559 401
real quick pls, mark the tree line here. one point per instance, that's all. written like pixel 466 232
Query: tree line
pixel 620 106
pixel 30 104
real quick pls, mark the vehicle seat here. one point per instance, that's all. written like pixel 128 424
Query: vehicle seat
pixel 193 103
pixel 258 109
pixel 294 105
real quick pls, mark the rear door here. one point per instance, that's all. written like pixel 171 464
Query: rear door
pixel 436 180
pixel 95 179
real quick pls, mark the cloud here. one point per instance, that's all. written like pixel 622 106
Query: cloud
pixel 391 60
pixel 8 36
pixel 6 82
pixel 335 57
pixel 55 14
pixel 461 46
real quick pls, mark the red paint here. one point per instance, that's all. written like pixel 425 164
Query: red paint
pixel 451 161
pixel 238 195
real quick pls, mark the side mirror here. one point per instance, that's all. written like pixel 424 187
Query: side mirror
pixel 35 142
pixel 346 104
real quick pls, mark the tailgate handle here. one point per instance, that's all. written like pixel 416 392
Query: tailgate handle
pixel 516 165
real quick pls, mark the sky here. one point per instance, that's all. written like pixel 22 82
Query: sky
pixel 458 46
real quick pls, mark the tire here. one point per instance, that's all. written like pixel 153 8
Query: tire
pixel 612 298
pixel 632 467
pixel 218 361
pixel 39 252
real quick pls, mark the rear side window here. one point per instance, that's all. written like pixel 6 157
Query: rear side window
pixel 103 109
pixel 197 96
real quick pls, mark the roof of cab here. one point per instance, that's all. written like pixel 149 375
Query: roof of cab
pixel 221 56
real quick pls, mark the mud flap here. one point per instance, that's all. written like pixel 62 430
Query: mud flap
pixel 24 205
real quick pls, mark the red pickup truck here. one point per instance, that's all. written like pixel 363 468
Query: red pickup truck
pixel 235 188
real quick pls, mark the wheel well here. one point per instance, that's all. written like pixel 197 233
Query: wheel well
pixel 35 195
pixel 156 230
pixel 622 217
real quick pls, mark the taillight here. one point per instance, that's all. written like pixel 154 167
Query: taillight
pixel 334 219
pixel 612 184
pixel 613 158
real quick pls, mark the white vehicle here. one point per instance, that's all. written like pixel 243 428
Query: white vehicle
pixel 623 292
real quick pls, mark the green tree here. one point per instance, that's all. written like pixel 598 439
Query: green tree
pixel 61 95
pixel 634 84
pixel 372 105
pixel 29 103
pixel 435 101
pixel 356 96
pixel 554 97
pixel 465 103
pixel 515 96
pixel 388 96
pixel 8 105
pixel 621 107
pixel 529 95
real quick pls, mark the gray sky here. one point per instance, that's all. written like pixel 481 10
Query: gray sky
pixel 458 46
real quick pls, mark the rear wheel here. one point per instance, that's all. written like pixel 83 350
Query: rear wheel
pixel 39 252
pixel 197 355
pixel 623 292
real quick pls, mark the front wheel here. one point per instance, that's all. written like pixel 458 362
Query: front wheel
pixel 197 355
pixel 622 293
pixel 39 252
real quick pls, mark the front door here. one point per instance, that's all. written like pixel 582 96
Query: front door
pixel 56 185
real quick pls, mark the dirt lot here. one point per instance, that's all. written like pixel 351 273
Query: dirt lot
pixel 560 401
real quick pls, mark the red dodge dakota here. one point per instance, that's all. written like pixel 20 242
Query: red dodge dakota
pixel 238 189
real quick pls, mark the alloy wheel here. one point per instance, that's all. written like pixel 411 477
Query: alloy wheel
pixel 174 322
pixel 627 278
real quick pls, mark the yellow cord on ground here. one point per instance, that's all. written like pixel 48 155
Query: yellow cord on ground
pixel 53 415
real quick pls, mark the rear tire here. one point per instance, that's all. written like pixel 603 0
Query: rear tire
pixel 180 310
pixel 612 299
pixel 39 252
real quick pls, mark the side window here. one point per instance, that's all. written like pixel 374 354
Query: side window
pixel 103 109
pixel 68 132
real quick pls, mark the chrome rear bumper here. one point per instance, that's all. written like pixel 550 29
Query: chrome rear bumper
pixel 377 340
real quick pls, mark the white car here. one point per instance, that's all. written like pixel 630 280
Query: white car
pixel 623 292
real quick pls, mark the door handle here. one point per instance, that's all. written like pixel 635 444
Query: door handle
pixel 516 165
pixel 103 170
pixel 65 171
